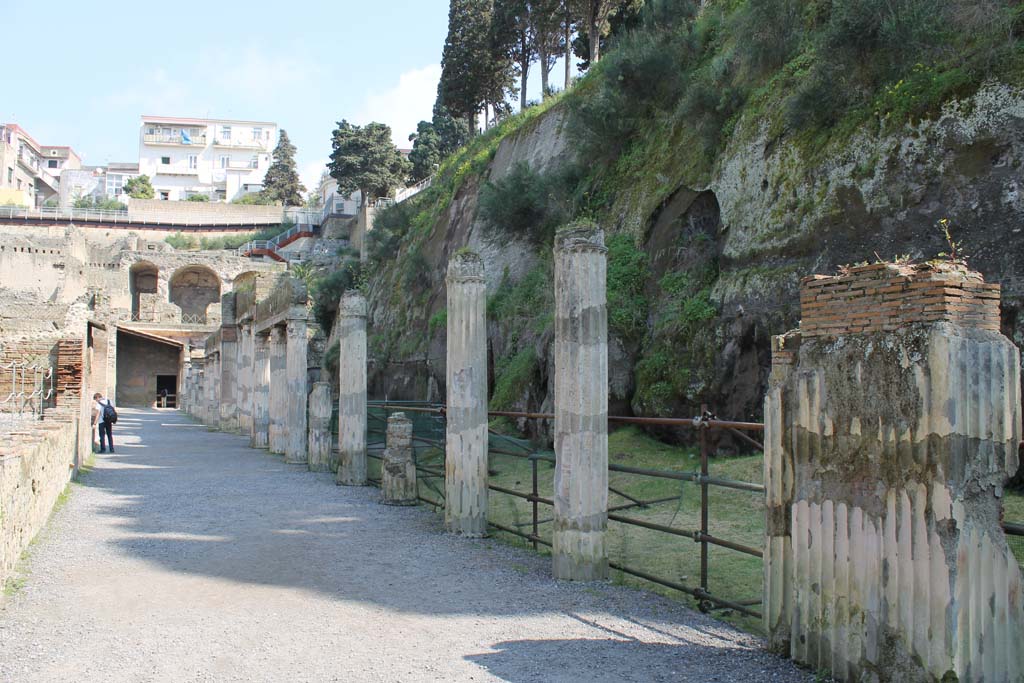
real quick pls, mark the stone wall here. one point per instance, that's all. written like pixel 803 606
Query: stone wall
pixel 38 458
pixel 202 213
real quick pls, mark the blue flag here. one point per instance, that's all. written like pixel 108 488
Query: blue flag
pixel 186 139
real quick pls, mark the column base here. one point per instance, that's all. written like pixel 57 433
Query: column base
pixel 467 527
pixel 579 555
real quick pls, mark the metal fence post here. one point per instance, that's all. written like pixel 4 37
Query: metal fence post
pixel 703 498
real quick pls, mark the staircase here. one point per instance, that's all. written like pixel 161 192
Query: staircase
pixel 272 247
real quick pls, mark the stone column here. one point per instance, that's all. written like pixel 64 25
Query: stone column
pixel 465 466
pixel 260 437
pixel 398 470
pixel 228 405
pixel 352 385
pixel 245 375
pixel 892 422
pixel 278 390
pixel 296 367
pixel 581 405
pixel 320 427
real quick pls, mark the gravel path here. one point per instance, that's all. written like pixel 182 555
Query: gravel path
pixel 187 556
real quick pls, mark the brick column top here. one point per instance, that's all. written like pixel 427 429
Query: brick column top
pixel 885 297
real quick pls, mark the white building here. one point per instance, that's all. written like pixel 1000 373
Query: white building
pixel 220 158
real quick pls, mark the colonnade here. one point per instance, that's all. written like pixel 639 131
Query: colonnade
pixel 253 380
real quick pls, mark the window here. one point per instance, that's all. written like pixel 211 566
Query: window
pixel 19 183
pixel 225 133
pixel 166 161
pixel 10 176
pixel 165 195
pixel 193 161
pixel 52 163
pixel 225 161
pixel 255 161
pixel 257 134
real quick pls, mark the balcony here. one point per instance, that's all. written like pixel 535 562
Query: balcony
pixel 242 144
pixel 174 139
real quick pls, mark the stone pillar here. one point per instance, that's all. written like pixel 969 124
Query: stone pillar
pixel 245 375
pixel 110 390
pixel 398 470
pixel 581 405
pixel 211 416
pixel 278 390
pixel 295 369
pixel 465 466
pixel 352 390
pixel 228 405
pixel 260 437
pixel 892 422
pixel 320 445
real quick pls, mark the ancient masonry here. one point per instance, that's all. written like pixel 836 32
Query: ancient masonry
pixel 892 422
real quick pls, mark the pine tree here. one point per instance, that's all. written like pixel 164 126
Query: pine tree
pixel 281 183
pixel 512 41
pixel 466 60
pixel 365 159
pixel 547 18
pixel 434 141
pixel 139 187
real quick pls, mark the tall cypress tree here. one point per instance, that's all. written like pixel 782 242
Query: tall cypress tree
pixel 281 183
pixel 467 72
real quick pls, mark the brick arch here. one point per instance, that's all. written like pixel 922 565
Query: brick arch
pixel 193 288
pixel 143 284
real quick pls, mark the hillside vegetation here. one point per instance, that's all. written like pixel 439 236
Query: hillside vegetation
pixel 727 152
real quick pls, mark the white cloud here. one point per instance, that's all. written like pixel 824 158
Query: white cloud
pixel 404 105
pixel 310 174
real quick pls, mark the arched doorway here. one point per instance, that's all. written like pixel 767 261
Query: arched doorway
pixel 193 289
pixel 142 284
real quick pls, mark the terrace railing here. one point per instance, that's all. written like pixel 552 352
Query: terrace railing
pixel 29 391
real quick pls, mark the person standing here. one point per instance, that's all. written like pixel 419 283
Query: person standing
pixel 104 416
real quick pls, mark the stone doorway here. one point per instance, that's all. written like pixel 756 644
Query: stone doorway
pixel 166 391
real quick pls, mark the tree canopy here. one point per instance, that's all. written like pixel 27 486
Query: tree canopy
pixel 365 159
pixel 434 141
pixel 281 183
pixel 139 187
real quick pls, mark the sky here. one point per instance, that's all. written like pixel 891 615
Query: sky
pixel 82 74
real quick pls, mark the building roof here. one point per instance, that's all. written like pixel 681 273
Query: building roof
pixel 150 337
pixel 200 122
pixel 24 133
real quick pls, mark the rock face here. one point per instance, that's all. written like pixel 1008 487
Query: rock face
pixel 726 254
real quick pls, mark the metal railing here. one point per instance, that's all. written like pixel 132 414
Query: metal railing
pixel 413 190
pixel 174 139
pixel 186 220
pixel 31 389
pixel 643 510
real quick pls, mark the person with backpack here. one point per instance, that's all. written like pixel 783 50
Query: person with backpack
pixel 104 416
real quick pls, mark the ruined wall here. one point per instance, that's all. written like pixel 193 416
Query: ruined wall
pixel 38 458
pixel 892 423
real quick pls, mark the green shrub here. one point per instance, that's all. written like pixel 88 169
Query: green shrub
pixel 326 291
pixel 199 198
pixel 512 377
pixel 525 203
pixel 628 271
pixel 180 240
pixel 438 321
pixel 390 226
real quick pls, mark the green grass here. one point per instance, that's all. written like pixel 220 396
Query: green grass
pixel 1013 511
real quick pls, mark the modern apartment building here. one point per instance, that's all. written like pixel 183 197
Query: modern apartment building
pixel 223 159
pixel 30 172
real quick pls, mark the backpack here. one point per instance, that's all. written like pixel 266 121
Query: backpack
pixel 109 414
